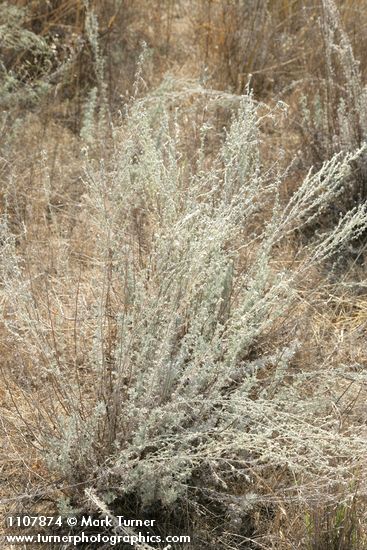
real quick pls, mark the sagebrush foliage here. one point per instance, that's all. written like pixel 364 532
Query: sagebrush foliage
pixel 182 268
pixel 179 375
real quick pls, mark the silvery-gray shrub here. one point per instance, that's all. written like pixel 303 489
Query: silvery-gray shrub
pixel 187 287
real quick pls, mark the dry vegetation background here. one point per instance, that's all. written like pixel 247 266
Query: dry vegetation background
pixel 183 277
